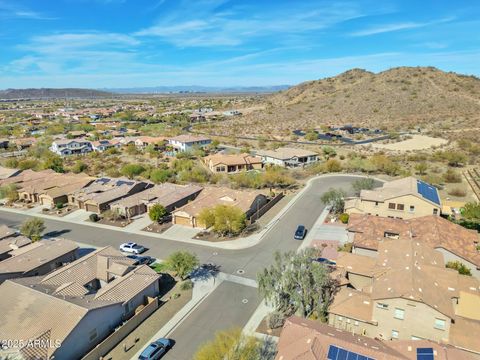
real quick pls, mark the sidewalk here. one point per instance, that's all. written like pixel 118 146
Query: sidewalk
pixel 264 309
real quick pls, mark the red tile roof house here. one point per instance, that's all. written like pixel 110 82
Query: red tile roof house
pixel 303 339
pixel 454 242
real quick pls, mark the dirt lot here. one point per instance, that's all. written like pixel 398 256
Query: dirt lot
pixel 417 142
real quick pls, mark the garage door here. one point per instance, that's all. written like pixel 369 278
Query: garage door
pixel 45 201
pixel 180 220
pixel 90 207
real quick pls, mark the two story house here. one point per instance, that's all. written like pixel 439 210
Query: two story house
pixel 65 147
pixel 184 143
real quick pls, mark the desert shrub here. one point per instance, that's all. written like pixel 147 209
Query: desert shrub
pixel 186 285
pixel 333 165
pixel 457 192
pixel 460 267
pixel 347 247
pixel 275 320
pixel 59 205
pixel 451 176
pixel 93 217
pixel 343 218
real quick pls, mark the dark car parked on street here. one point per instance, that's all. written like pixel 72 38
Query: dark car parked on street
pixel 300 232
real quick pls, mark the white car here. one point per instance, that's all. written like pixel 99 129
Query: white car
pixel 132 247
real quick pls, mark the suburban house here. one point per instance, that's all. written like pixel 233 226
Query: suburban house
pixel 453 241
pixel 405 198
pixel 288 157
pixel 188 142
pixel 102 145
pixel 36 258
pixel 75 134
pixel 311 340
pixel 143 141
pixel 10 240
pixel 26 176
pixel 407 293
pixel 52 189
pixel 98 292
pixel 64 147
pixel 98 196
pixel 6 173
pixel 170 196
pixel 24 143
pixel 232 163
pixel 248 201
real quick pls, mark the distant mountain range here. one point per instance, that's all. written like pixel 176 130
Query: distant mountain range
pixel 47 93
pixel 197 89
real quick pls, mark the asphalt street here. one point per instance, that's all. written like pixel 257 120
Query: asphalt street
pixel 221 309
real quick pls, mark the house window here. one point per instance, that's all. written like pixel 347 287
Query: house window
pixel 435 211
pixel 391 235
pixel 382 306
pixel 399 314
pixel 92 335
pixel 394 334
pixel 440 324
pixel 400 207
pixel 391 206
pixel 412 208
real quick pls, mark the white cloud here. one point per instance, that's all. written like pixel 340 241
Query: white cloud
pixel 385 28
pixel 10 10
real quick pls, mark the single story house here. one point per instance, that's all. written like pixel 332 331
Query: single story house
pixel 232 163
pixel 248 201
pixel 37 258
pixel 170 196
pixel 6 173
pixel 143 141
pixel 98 196
pixel 288 157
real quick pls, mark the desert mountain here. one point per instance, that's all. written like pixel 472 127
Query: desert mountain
pixel 398 98
pixel 47 93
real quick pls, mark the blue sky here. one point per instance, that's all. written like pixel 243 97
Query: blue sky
pixel 128 43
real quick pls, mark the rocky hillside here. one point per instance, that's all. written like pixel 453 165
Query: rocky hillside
pixel 399 98
pixel 14 94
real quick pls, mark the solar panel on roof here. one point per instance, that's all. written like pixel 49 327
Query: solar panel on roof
pixel 425 354
pixel 428 191
pixel 336 353
pixel 123 182
pixel 103 180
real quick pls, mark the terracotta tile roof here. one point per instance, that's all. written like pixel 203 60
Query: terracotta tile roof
pixel 303 339
pixel 353 304
pixel 212 196
pixel 12 243
pixel 232 159
pixel 431 230
pixel 464 333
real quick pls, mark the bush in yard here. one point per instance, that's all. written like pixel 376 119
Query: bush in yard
pixel 460 267
pixel 451 176
pixel 457 192
pixel 132 170
pixel 59 205
pixel 9 192
pixel 343 218
pixel 157 212
pixel 225 220
pixel 182 263
pixel 33 228
pixel 275 320
pixel 186 285
pixel 333 165
pixel 363 184
pixel 93 217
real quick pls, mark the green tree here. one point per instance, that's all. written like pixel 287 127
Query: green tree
pixel 160 175
pixel 182 263
pixel 33 228
pixel 421 168
pixel 207 217
pixel 455 158
pixel 225 220
pixel 363 184
pixel 296 284
pixel 55 163
pixel 233 345
pixel 471 211
pixel 329 152
pixel 334 198
pixel 132 170
pixel 157 212
pixel 460 267
pixel 311 136
pixel 9 192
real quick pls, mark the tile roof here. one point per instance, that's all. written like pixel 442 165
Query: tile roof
pixel 303 339
pixel 232 159
pixel 165 194
pixel 401 187
pixel 431 230
pixel 353 304
pixel 212 196
pixel 5 173
pixel 12 243
pixel 34 255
